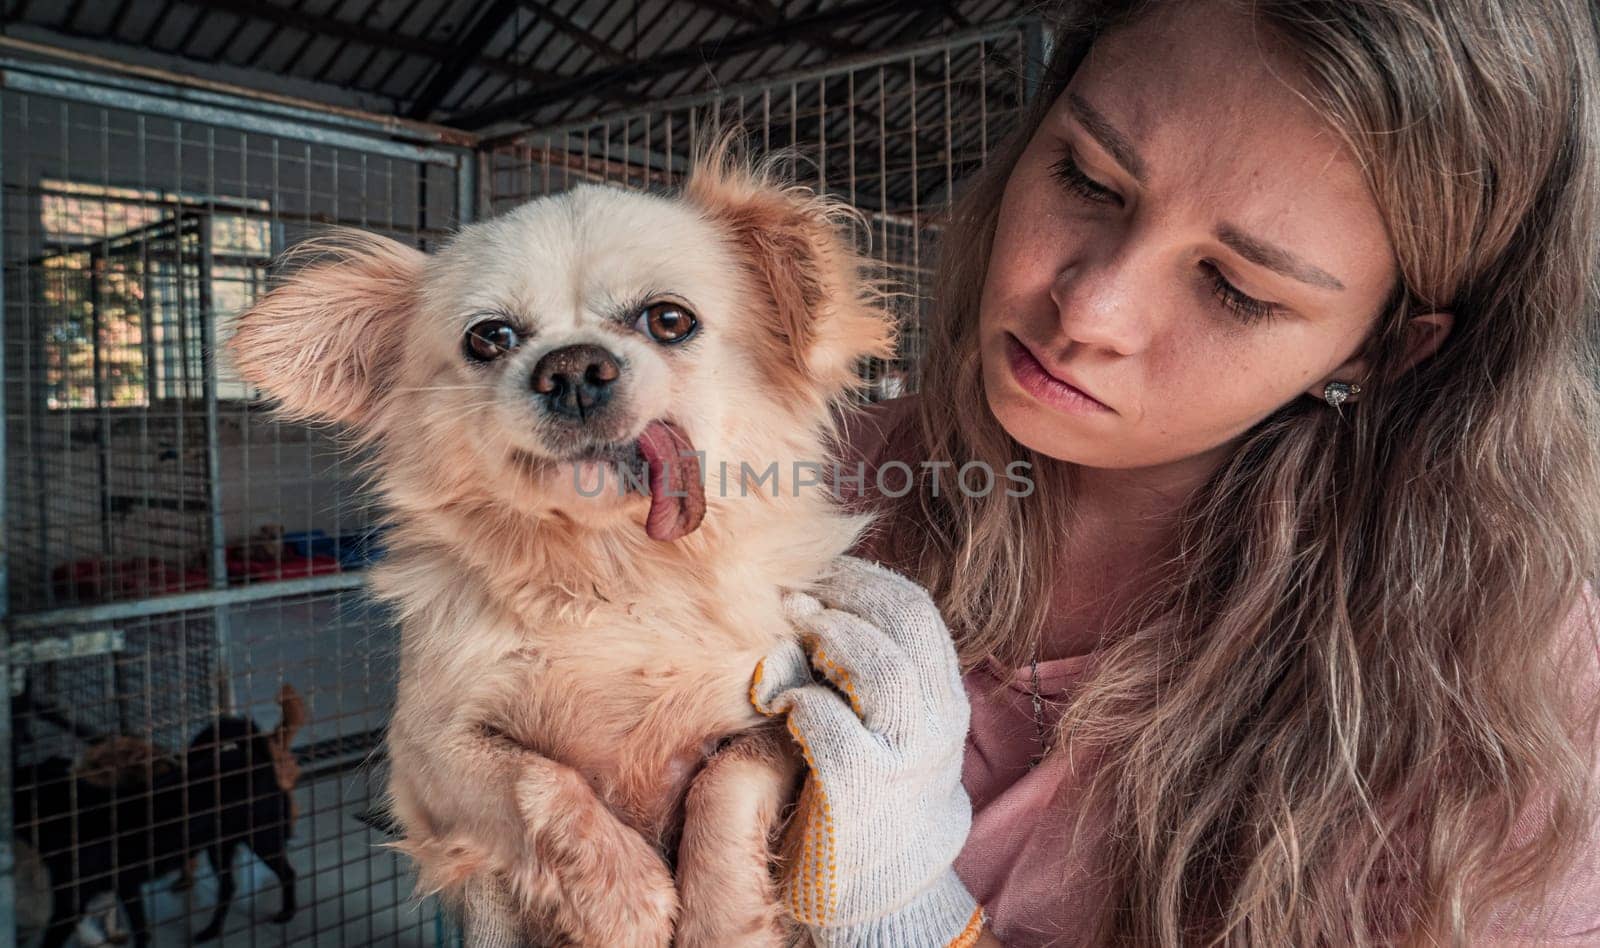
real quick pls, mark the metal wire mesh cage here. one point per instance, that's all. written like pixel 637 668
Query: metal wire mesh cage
pixel 185 570
pixel 890 136
pixel 198 684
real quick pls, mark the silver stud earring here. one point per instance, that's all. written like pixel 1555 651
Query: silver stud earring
pixel 1337 393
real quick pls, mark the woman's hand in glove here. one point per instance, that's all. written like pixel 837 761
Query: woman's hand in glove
pixel 883 813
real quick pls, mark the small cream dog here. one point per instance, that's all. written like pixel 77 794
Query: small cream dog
pixel 573 722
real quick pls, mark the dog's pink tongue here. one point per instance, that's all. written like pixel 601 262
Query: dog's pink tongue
pixel 677 498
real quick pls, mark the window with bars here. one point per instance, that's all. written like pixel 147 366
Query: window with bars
pixel 129 277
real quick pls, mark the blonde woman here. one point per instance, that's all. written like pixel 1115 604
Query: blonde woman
pixel 1290 307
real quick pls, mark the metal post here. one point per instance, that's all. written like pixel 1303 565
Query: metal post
pixel 147 333
pixel 219 541
pixel 468 196
pixel 8 860
pixel 420 224
pixel 102 410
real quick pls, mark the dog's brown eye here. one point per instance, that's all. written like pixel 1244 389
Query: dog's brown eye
pixel 491 339
pixel 667 322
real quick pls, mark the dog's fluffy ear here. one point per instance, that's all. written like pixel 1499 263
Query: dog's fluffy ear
pixel 327 341
pixel 829 316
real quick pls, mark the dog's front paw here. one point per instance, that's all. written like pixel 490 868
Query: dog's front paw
pixel 599 880
pixel 724 863
pixel 209 933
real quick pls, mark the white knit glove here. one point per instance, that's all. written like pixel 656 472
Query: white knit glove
pixel 883 813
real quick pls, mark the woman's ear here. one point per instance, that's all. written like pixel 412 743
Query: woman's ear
pixel 1424 335
pixel 326 342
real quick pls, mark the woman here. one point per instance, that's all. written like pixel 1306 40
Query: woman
pixel 1289 305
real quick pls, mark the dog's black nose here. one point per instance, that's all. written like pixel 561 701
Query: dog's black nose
pixel 575 380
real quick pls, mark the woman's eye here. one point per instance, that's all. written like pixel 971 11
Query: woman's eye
pixel 667 322
pixel 1071 176
pixel 490 339
pixel 1246 309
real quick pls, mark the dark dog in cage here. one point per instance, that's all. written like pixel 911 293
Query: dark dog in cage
pixel 94 837
pixel 573 727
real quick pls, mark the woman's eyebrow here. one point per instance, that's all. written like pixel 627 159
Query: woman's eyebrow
pixel 1276 259
pixel 1256 251
pixel 1107 135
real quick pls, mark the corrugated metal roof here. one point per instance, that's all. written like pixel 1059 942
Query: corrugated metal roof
pixel 488 65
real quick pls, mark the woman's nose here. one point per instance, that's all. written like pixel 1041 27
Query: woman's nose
pixel 1107 300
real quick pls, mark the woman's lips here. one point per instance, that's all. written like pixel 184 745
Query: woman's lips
pixel 1031 374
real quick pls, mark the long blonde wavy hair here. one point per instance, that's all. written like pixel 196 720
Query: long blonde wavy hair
pixel 1323 729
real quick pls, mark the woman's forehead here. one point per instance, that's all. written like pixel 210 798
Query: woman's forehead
pixel 1215 123
pixel 1228 88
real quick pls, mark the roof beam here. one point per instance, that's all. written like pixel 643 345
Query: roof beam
pixel 576 33
pixel 193 31
pixel 338 51
pixel 264 42
pixel 928 16
pixel 461 59
pixel 397 24
pixel 72 13
pixel 365 35
pixel 156 23
pixel 764 13
pixel 699 54
pixel 753 11
pixel 118 17
pixel 328 26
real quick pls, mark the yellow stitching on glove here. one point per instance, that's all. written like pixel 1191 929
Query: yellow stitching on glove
pixel 813 893
pixel 840 677
pixel 755 683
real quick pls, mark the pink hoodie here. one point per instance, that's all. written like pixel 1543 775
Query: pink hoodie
pixel 1035 882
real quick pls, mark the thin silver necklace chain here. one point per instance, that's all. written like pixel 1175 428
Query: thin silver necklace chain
pixel 1040 732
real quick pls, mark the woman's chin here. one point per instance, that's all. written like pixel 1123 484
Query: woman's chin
pixel 1058 435
pixel 1034 426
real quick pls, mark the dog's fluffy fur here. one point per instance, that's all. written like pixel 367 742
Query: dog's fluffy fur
pixel 573 694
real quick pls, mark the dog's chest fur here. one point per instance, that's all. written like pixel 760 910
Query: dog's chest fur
pixel 636 698
pixel 629 677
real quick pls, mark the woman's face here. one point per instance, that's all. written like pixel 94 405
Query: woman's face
pixel 1185 241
